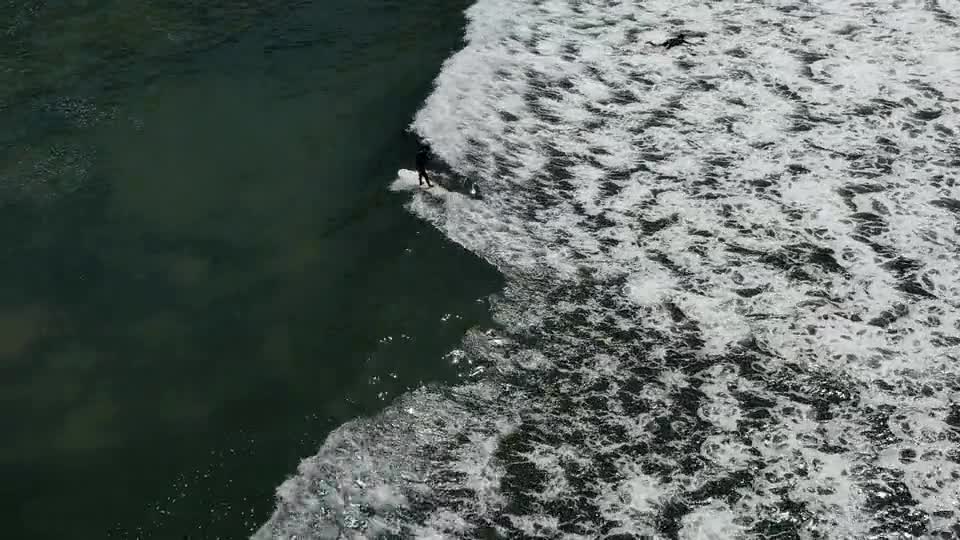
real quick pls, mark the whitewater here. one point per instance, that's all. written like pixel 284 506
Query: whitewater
pixel 733 283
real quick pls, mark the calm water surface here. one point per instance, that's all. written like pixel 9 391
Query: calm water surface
pixel 201 271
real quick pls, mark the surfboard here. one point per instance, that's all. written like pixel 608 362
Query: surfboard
pixel 407 180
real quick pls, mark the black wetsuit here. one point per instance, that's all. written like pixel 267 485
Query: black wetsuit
pixel 672 42
pixel 422 157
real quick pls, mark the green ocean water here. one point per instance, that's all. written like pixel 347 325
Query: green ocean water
pixel 201 271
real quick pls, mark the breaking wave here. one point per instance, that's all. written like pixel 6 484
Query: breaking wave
pixel 733 299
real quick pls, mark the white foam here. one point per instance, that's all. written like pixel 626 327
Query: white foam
pixel 711 522
pixel 716 259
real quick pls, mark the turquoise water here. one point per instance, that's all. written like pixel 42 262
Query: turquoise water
pixel 202 271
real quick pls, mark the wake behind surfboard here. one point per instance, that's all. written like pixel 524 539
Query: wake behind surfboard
pixel 443 185
pixel 407 180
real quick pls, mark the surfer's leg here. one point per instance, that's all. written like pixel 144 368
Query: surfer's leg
pixel 422 175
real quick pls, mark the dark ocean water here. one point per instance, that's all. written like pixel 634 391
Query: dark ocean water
pixel 201 271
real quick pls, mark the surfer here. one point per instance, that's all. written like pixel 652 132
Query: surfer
pixel 423 154
pixel 679 39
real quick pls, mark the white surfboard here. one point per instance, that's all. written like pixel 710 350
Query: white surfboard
pixel 407 180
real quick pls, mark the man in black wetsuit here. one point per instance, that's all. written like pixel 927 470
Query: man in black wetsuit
pixel 423 155
pixel 675 41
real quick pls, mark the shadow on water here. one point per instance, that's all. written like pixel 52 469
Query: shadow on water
pixel 202 270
